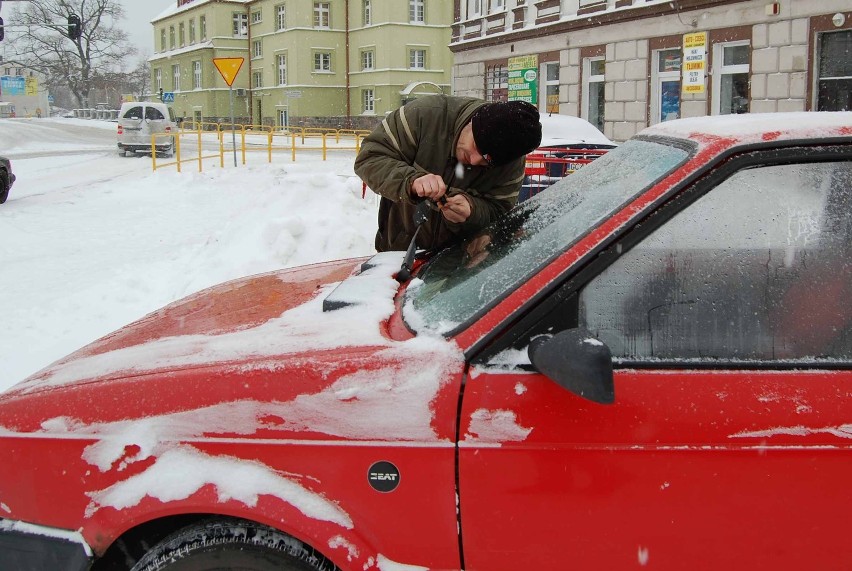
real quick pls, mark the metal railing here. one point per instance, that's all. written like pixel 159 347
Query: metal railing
pixel 196 141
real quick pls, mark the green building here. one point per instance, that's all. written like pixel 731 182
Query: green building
pixel 338 63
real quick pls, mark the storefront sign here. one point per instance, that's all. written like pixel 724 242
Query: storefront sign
pixel 31 86
pixel 12 85
pixel 694 62
pixel 523 79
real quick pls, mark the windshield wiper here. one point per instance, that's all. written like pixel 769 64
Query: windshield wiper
pixel 421 215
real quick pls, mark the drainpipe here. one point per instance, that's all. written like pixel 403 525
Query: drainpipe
pixel 249 92
pixel 348 98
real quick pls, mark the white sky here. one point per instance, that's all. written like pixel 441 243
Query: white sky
pixel 137 22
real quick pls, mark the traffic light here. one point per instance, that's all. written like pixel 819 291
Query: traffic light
pixel 75 27
pixel 2 30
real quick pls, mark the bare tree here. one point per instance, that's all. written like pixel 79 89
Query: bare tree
pixel 44 46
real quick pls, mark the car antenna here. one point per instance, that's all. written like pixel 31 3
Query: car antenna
pixel 421 214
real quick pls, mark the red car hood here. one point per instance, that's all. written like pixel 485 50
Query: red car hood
pixel 253 319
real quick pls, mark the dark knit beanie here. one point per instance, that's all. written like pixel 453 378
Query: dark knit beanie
pixel 506 130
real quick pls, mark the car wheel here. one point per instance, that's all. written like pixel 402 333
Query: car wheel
pixel 4 186
pixel 232 544
pixel 122 153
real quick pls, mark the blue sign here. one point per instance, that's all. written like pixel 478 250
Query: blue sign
pixel 50 99
pixel 168 97
pixel 12 85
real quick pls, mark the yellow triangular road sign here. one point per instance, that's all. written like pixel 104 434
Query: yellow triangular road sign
pixel 229 67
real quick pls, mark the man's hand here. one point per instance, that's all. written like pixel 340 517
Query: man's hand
pixel 429 186
pixel 456 208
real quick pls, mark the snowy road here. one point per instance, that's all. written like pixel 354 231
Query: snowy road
pixel 90 241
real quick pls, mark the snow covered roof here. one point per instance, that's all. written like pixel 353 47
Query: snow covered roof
pixel 760 126
pixel 568 130
pixel 174 9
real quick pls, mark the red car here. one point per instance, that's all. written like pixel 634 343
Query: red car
pixel 647 365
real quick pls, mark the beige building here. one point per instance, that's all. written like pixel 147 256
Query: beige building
pixel 625 64
pixel 336 63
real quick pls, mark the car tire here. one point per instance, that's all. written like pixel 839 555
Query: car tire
pixel 232 544
pixel 122 153
pixel 4 186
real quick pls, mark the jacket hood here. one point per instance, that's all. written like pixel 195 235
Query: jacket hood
pixel 251 319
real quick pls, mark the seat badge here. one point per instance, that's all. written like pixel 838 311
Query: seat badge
pixel 383 476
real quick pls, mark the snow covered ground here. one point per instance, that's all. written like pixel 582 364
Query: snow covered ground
pixel 90 241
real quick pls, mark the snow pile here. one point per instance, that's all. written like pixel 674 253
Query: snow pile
pixel 92 241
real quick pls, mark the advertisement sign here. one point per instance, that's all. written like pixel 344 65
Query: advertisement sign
pixel 31 87
pixel 12 85
pixel 694 62
pixel 523 79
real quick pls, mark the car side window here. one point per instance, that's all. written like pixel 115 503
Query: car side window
pixel 133 112
pixel 154 114
pixel 757 269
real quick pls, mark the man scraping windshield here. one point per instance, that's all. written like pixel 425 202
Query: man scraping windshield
pixel 465 155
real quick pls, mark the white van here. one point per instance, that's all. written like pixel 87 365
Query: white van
pixel 138 120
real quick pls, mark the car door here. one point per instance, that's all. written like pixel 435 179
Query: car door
pixel 155 122
pixel 132 124
pixel 728 444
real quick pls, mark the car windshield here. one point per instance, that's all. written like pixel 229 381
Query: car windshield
pixel 469 277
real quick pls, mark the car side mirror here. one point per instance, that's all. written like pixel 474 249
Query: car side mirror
pixel 576 360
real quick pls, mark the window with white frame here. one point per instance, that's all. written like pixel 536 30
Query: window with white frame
pixel 322 14
pixel 322 61
pixel 257 79
pixel 280 17
pixel 171 37
pixel 163 45
pixel 192 31
pixel 283 118
pixel 730 78
pixel 496 6
pixel 496 82
pixel 593 91
pixel 416 12
pixel 202 22
pixel 368 101
pixel 182 34
pixel 665 84
pixel 257 48
pixel 282 69
pixel 834 69
pixel 196 74
pixel 257 16
pixel 550 86
pixel 367 59
pixel 240 24
pixel 176 77
pixel 474 8
pixel 417 59
pixel 158 78
pixel 368 12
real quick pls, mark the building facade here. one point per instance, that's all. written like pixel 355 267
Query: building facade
pixel 336 63
pixel 22 92
pixel 627 64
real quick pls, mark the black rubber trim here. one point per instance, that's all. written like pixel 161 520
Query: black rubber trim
pixel 22 551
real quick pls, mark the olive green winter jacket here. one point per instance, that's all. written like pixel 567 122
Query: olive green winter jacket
pixel 420 138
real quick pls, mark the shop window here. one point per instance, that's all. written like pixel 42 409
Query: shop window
pixel 496 82
pixel 665 85
pixel 551 86
pixel 593 91
pixel 730 78
pixel 834 85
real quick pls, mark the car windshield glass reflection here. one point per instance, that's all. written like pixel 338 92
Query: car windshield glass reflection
pixel 469 277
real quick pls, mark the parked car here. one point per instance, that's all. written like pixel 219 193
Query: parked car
pixel 138 121
pixel 648 364
pixel 7 178
pixel 567 143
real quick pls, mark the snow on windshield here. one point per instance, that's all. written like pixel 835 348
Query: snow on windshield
pixel 463 280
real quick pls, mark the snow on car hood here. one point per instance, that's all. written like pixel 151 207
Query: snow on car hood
pixel 241 321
